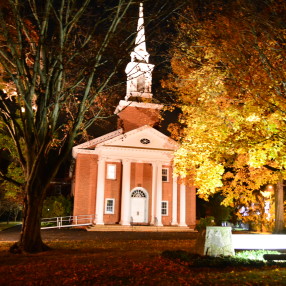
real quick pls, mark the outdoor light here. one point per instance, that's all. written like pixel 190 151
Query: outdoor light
pixel 34 107
pixel 268 191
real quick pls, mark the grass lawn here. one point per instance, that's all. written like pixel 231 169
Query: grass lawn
pixel 4 225
pixel 135 262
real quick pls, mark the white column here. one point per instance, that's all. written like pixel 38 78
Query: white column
pixel 125 198
pixel 100 191
pixel 154 187
pixel 182 205
pixel 159 195
pixel 175 201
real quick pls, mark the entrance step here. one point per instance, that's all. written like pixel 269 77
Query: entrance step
pixel 139 228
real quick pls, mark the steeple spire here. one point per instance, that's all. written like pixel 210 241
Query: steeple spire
pixel 139 71
pixel 140 42
pixel 137 109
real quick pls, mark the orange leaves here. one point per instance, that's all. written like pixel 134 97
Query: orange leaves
pixel 229 73
pixel 98 262
pixel 128 262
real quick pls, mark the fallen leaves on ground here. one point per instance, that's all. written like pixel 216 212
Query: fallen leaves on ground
pixel 133 262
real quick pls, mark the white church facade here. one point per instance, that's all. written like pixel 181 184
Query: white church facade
pixel 126 176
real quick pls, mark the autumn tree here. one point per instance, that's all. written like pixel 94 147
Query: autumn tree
pixel 11 195
pixel 54 54
pixel 229 71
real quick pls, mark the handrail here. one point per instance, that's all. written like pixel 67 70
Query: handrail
pixel 67 221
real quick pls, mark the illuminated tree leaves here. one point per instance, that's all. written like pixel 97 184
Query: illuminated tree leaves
pixel 229 72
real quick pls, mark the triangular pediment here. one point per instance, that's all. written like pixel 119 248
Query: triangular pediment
pixel 91 144
pixel 144 137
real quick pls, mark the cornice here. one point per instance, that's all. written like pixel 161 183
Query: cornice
pixel 124 104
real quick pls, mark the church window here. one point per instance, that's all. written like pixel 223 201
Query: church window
pixel 165 174
pixel 145 141
pixel 109 206
pixel 164 208
pixel 111 171
pixel 138 194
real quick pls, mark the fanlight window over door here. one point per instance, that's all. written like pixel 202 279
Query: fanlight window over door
pixel 138 194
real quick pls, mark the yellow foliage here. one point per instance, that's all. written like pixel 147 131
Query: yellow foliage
pixel 231 87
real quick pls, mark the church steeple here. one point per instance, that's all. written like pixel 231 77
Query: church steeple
pixel 137 110
pixel 140 52
pixel 139 71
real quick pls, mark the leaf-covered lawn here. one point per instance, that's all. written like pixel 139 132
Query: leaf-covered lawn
pixel 136 262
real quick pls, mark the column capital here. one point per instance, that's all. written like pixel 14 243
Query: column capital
pixel 182 181
pixel 126 161
pixel 101 158
pixel 157 163
pixel 175 176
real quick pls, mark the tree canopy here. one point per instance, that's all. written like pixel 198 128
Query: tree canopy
pixel 58 66
pixel 55 62
pixel 229 71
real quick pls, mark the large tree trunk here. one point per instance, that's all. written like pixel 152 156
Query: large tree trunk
pixel 30 239
pixel 279 207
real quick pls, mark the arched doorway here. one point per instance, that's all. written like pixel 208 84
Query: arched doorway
pixel 139 205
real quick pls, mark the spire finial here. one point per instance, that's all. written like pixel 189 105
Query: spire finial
pixel 140 50
pixel 141 10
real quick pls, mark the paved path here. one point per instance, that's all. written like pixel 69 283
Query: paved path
pixel 13 234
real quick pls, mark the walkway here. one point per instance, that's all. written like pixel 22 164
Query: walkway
pixel 81 234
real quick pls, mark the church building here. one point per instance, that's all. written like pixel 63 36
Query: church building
pixel 126 176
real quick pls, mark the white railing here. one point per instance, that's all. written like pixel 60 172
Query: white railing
pixel 67 221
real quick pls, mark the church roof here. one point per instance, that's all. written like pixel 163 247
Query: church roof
pixel 91 144
pixel 123 104
pixel 143 138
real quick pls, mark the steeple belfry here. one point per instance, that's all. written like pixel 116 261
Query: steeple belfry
pixel 139 71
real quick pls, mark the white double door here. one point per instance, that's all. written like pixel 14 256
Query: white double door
pixel 138 211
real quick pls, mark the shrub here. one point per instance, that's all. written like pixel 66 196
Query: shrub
pixel 204 222
pixel 56 206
